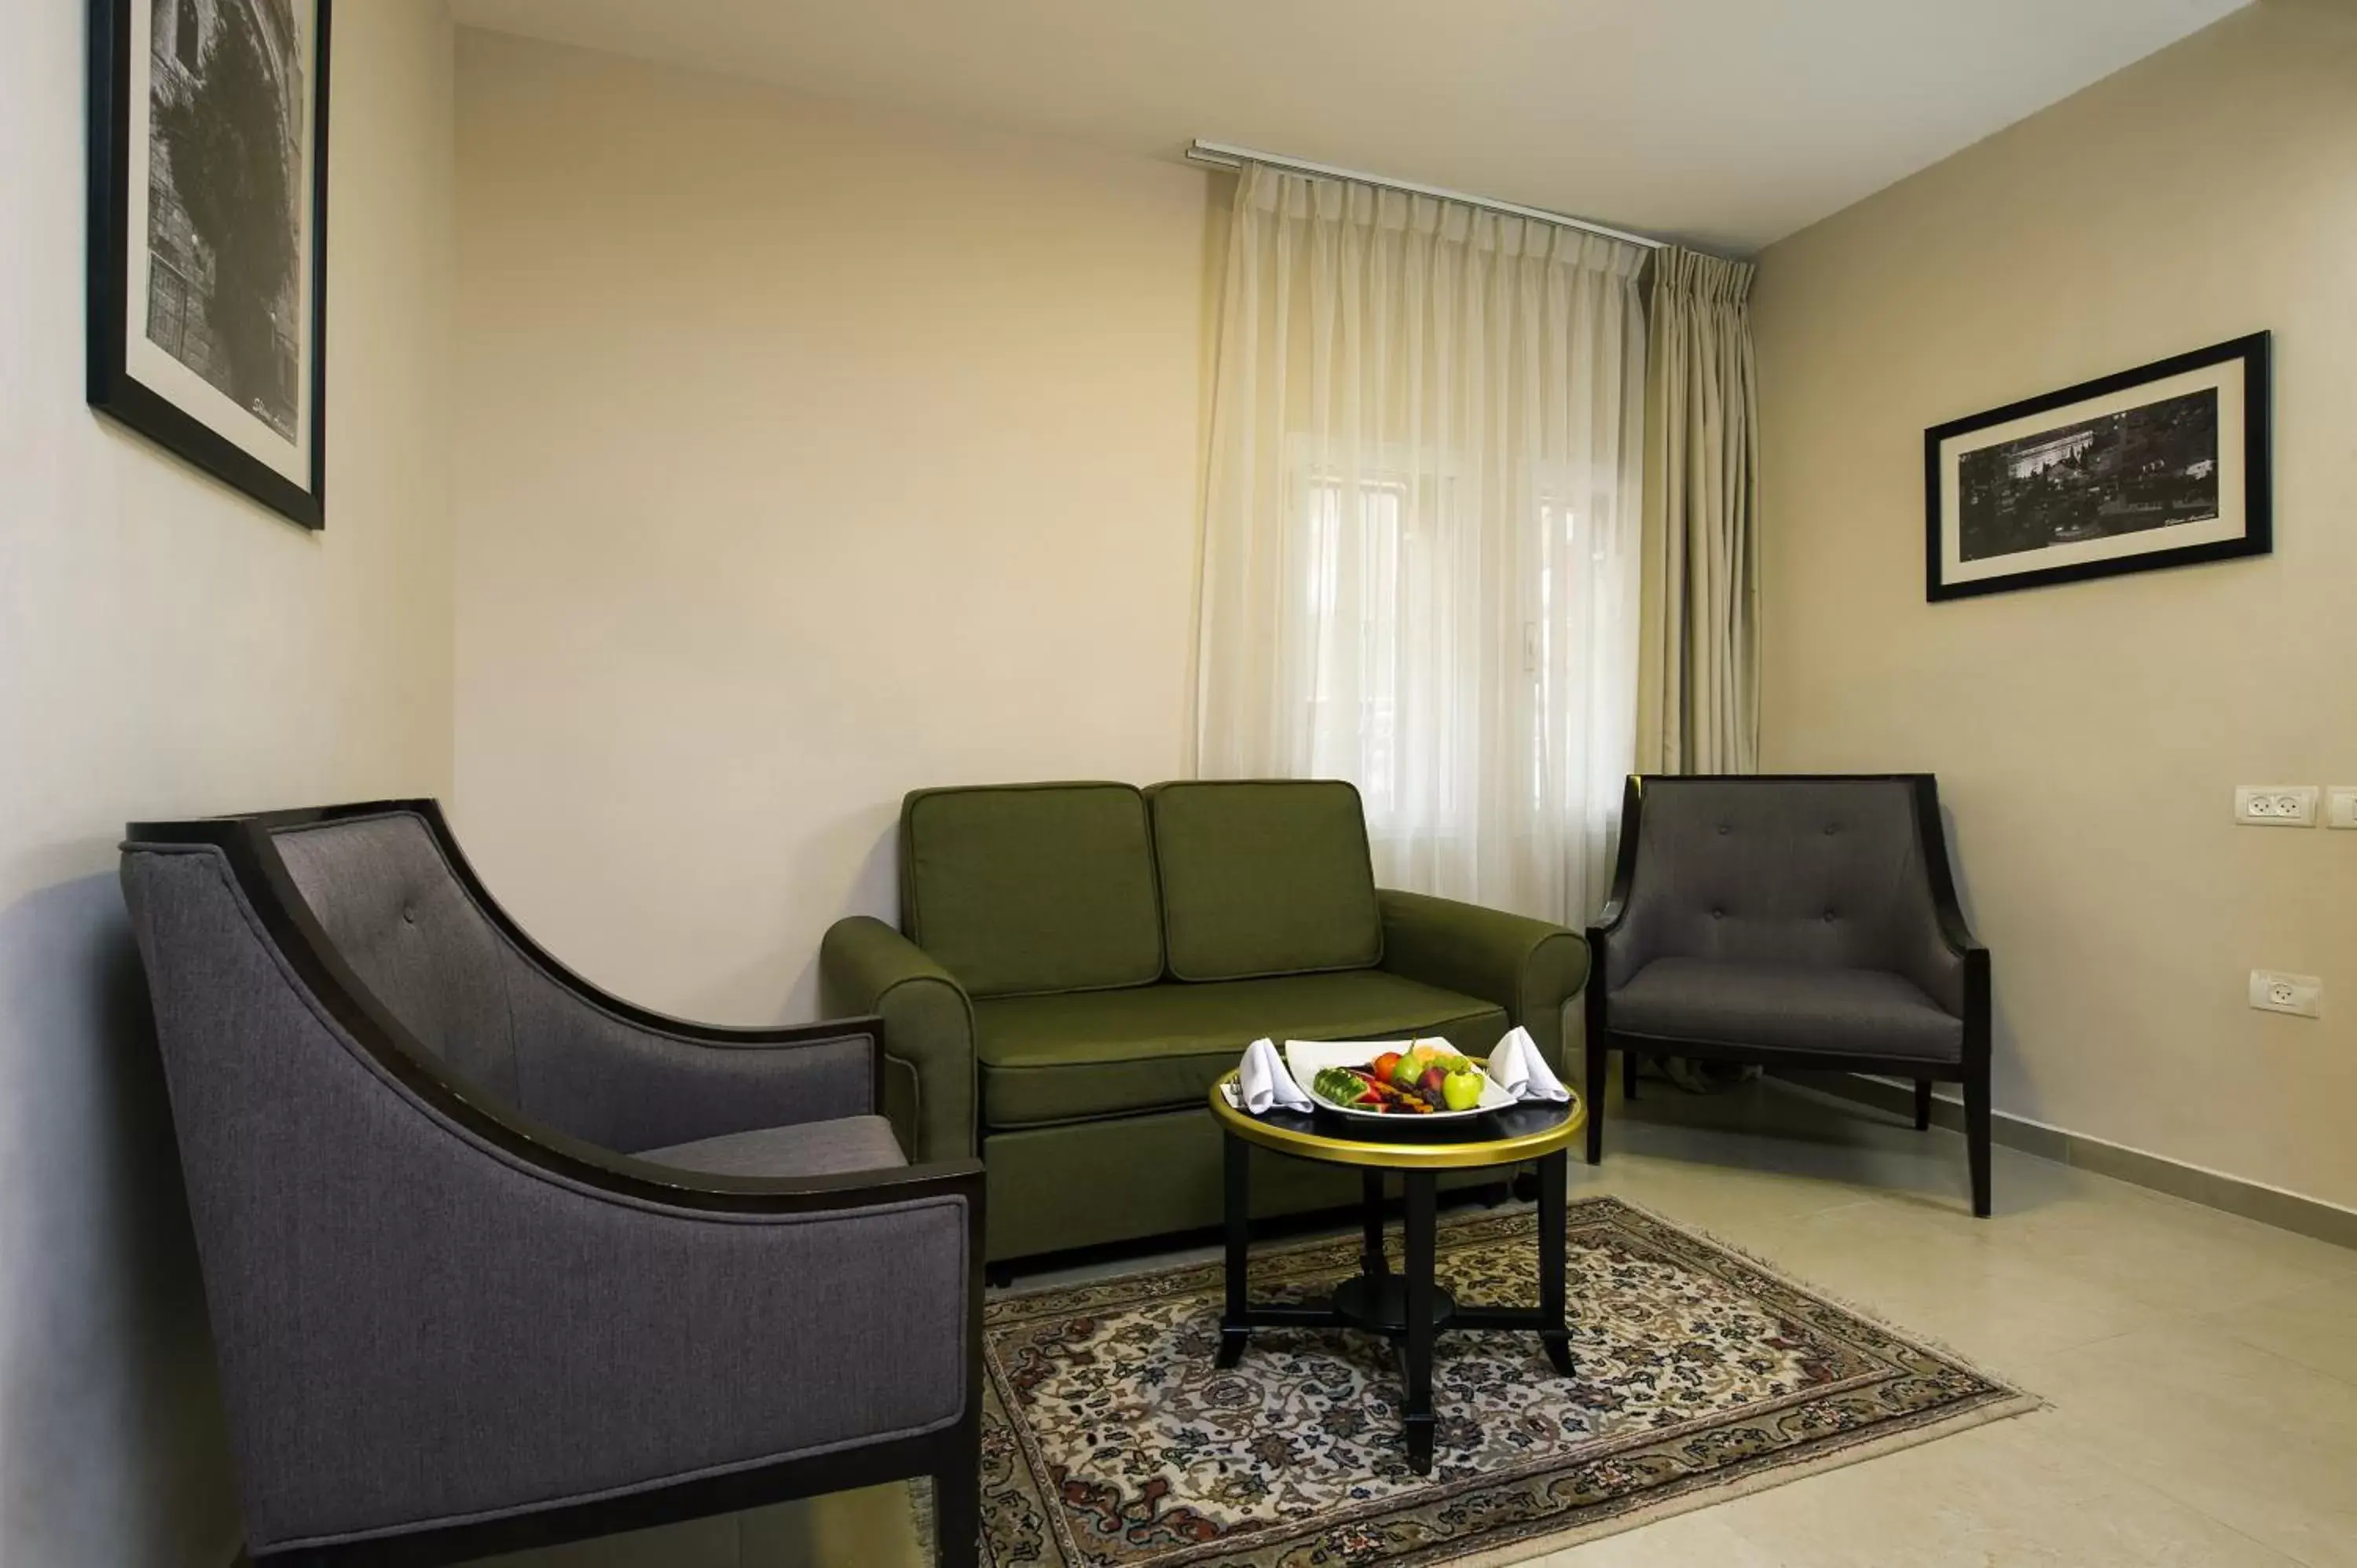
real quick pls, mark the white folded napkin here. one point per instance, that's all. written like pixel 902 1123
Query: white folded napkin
pixel 1516 1067
pixel 1263 1080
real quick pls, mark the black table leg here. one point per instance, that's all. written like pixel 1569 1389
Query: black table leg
pixel 1371 1262
pixel 1417 1349
pixel 1234 1335
pixel 1553 1203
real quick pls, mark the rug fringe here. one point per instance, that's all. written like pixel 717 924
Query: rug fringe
pixel 1841 1304
pixel 1706 1492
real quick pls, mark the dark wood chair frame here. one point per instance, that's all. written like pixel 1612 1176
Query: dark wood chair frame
pixel 1972 1070
pixel 951 1458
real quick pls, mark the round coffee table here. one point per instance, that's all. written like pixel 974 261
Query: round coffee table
pixel 1408 1307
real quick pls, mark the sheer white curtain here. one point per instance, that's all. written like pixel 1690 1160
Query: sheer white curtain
pixel 1421 542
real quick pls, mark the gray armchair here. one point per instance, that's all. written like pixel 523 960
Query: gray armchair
pixel 494 1259
pixel 1794 920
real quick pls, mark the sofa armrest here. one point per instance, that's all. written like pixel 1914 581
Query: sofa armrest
pixel 1529 967
pixel 867 967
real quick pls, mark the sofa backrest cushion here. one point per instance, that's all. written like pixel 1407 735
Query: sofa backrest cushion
pixel 1264 877
pixel 1024 889
pixel 1825 872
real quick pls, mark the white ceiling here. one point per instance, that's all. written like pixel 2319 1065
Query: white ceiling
pixel 1731 123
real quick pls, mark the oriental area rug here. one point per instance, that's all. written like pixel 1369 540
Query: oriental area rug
pixel 1111 1440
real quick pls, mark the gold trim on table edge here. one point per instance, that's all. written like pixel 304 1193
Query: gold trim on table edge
pixel 1390 1155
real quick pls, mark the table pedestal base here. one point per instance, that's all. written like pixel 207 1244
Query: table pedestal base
pixel 1408 1307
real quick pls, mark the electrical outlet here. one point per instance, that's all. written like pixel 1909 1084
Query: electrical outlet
pixel 2276 805
pixel 2302 995
pixel 2341 805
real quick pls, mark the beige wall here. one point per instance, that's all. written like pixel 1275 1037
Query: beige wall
pixel 168 648
pixel 806 457
pixel 2088 738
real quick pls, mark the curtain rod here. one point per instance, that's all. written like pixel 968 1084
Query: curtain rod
pixel 1221 155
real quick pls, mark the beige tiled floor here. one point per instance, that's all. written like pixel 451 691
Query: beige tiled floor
pixel 2201 1369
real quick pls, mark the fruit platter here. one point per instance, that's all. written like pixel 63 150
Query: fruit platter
pixel 1397 1080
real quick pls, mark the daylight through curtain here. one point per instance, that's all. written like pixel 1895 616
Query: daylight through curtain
pixel 1421 550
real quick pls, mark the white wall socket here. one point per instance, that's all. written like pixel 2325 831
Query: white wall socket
pixel 2276 805
pixel 2301 995
pixel 2341 805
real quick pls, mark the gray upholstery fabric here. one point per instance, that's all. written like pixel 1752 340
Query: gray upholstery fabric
pixel 817 1148
pixel 405 925
pixel 412 1327
pixel 398 914
pixel 1819 874
pixel 1788 1006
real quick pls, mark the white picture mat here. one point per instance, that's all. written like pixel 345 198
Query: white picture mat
pixel 2226 378
pixel 1306 1058
pixel 150 365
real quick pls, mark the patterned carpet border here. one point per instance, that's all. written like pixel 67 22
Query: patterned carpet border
pixel 1704 1374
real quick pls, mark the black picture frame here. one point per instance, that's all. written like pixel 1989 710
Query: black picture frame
pixel 2240 488
pixel 114 387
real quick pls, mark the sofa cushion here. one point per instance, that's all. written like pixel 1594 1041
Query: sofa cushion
pixel 1798 1007
pixel 811 1148
pixel 1264 877
pixel 1061 1058
pixel 1030 888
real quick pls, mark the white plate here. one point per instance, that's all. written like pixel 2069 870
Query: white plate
pixel 1305 1058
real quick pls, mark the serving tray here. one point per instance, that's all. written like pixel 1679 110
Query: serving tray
pixel 1306 1058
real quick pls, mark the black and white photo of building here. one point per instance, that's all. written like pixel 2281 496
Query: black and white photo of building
pixel 225 178
pixel 2151 467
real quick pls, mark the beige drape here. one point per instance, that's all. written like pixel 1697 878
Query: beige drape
pixel 1421 529
pixel 1698 672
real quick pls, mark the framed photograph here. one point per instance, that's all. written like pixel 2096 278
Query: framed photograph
pixel 2161 466
pixel 208 223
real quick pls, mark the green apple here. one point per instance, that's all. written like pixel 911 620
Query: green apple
pixel 1461 1090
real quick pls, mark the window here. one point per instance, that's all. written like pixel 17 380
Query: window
pixel 1417 564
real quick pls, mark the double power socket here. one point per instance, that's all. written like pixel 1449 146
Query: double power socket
pixel 2292 806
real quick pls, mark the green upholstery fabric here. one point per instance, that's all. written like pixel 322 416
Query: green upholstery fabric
pixel 1102 1053
pixel 1528 967
pixel 1026 1012
pixel 1025 889
pixel 1264 877
pixel 867 967
pixel 1083 1184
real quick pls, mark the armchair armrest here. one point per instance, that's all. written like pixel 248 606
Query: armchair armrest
pixel 867 967
pixel 515 1339
pixel 637 1082
pixel 434 1316
pixel 1529 967
pixel 1618 946
pixel 1942 956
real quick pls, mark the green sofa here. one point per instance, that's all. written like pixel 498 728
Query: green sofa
pixel 1078 964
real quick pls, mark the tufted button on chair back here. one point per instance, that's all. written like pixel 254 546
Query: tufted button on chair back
pixel 399 917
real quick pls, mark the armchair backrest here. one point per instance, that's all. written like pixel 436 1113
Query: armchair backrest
pixel 397 913
pixel 1819 870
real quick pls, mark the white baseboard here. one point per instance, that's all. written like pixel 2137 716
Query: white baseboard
pixel 2196 1184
